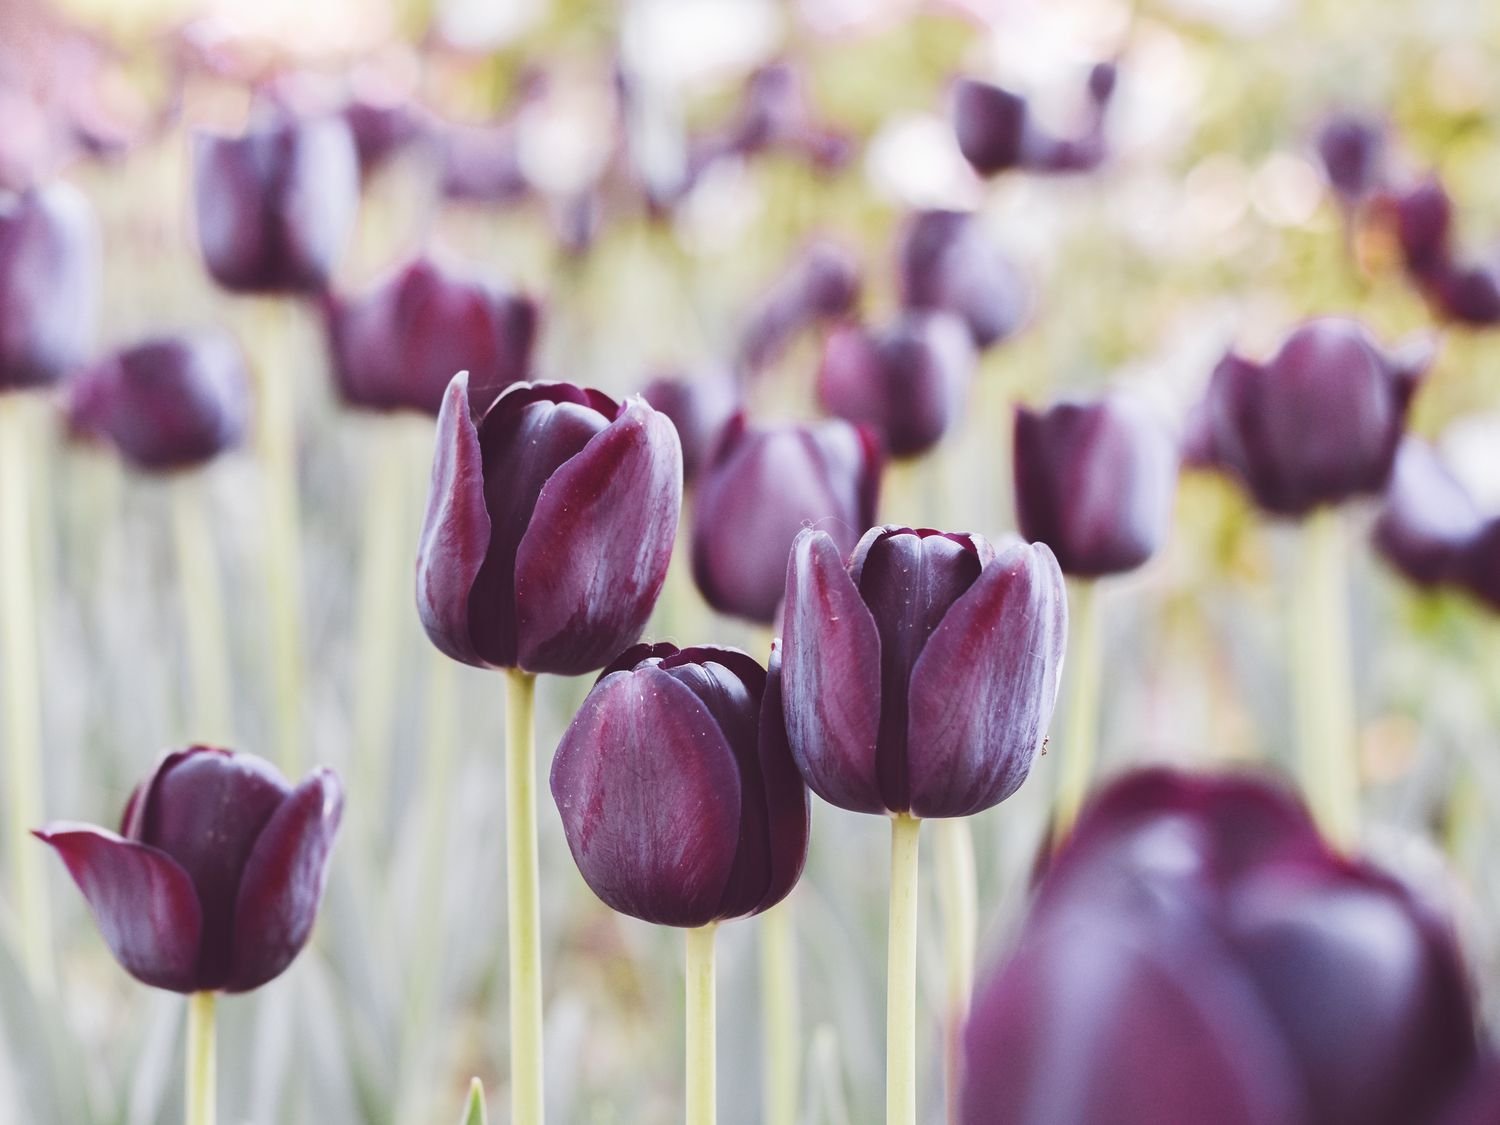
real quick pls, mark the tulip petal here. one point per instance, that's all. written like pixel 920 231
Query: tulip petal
pixel 595 553
pixel 142 900
pixel 983 690
pixel 831 677
pixel 283 882
pixel 456 531
pixel 788 815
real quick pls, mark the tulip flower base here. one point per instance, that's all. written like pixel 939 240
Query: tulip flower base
pixel 522 880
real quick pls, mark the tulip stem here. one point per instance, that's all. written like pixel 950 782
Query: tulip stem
pixel 701 1038
pixel 203 615
pixel 522 880
pixel 959 898
pixel 19 424
pixel 1322 679
pixel 901 982
pixel 202 1100
pixel 1081 747
pixel 781 1038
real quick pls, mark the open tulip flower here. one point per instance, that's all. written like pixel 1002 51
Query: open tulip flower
pixel 945 261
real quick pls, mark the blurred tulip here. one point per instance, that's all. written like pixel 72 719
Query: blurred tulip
pixel 909 381
pixel 482 164
pixel 1423 219
pixel 277 205
pixel 761 487
pixel 776 116
pixel 822 284
pixel 549 526
pixel 1352 150
pixel 921 676
pixel 678 795
pixel 49 285
pixel 382 128
pixel 1467 294
pixel 1196 953
pixel 1427 520
pixel 699 407
pixel 214 880
pixel 169 403
pixel 1095 482
pixel 947 263
pixel 996 132
pixel 1320 422
pixel 399 345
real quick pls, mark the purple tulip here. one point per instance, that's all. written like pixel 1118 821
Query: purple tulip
pixel 1423 218
pixel 909 381
pixel 1095 482
pixel 1477 566
pixel 381 128
pixel 1467 294
pixel 1320 422
pixel 996 131
pixel 1352 150
pixel 399 345
pixel 1427 520
pixel 1196 953
pixel 168 403
pixel 549 526
pixel 947 263
pixel 921 676
pixel 822 284
pixel 678 795
pixel 214 880
pixel 49 285
pixel 482 164
pixel 276 206
pixel 764 485
pixel 699 408
pixel 776 116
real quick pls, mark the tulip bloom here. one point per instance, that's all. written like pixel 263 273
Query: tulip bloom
pixel 549 526
pixel 1094 481
pixel 822 284
pixel 399 345
pixel 214 880
pixel 169 403
pixel 1197 953
pixel 1352 151
pixel 946 262
pixel 1428 521
pixel 761 487
pixel 996 132
pixel 49 285
pixel 699 408
pixel 276 206
pixel 921 676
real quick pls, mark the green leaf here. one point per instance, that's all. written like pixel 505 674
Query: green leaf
pixel 474 1113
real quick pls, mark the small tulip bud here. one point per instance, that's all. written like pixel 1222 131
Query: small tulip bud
pixel 947 263
pixel 1352 150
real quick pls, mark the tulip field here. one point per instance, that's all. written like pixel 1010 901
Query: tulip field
pixel 795 562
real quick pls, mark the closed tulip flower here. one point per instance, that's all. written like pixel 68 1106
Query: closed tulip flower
pixel 1423 217
pixel 49 285
pixel 997 132
pixel 1427 520
pixel 169 403
pixel 213 882
pixel 398 346
pixel 549 526
pixel 276 206
pixel 763 485
pixel 920 676
pixel 946 262
pixel 700 407
pixel 1352 151
pixel 1196 953
pixel 909 381
pixel 1095 481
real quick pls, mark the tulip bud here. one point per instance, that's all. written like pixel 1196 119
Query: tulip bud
pixel 909 381
pixel 49 285
pixel 1352 149
pixel 169 403
pixel 678 795
pixel 1196 953
pixel 399 345
pixel 996 132
pixel 822 284
pixel 699 408
pixel 920 677
pixel 1095 482
pixel 276 206
pixel 1427 520
pixel 1424 228
pixel 764 485
pixel 1320 422
pixel 214 880
pixel 549 526
pixel 947 263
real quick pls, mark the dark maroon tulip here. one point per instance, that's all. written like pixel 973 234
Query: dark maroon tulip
pixel 1479 1104
pixel 49 285
pixel 1095 482
pixel 699 407
pixel 1196 953
pixel 276 206
pixel 821 285
pixel 214 880
pixel 920 676
pixel 1427 520
pixel 997 133
pixel 909 381
pixel 168 403
pixel 763 485
pixel 678 795
pixel 1352 150
pixel 1320 422
pixel 946 262
pixel 549 526
pixel 398 346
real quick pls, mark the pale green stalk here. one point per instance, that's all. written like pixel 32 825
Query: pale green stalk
pixel 959 898
pixel 901 976
pixel 522 888
pixel 701 1032
pixel 203 615
pixel 1082 727
pixel 781 1036
pixel 202 1099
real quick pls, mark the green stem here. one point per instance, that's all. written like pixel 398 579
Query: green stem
pixel 22 699
pixel 1322 678
pixel 522 880
pixel 202 1101
pixel 781 1033
pixel 959 898
pixel 701 1041
pixel 1082 727
pixel 901 976
pixel 203 615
